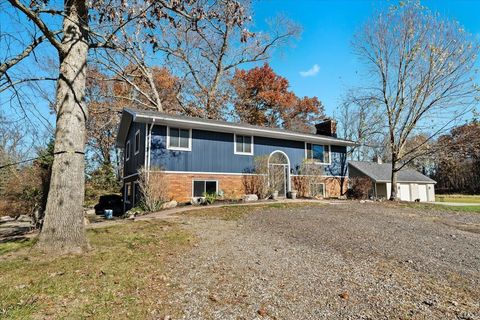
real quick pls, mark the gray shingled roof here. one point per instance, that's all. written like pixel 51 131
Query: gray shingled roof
pixel 154 114
pixel 381 172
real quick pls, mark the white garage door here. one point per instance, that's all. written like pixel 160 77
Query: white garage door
pixel 404 191
pixel 422 192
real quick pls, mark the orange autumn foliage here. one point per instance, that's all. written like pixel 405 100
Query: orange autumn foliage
pixel 263 98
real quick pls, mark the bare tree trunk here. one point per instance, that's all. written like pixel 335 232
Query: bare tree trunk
pixel 394 189
pixel 153 87
pixel 106 155
pixel 118 163
pixel 63 230
pixel 344 173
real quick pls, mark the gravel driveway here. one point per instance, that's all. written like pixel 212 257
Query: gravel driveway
pixel 338 261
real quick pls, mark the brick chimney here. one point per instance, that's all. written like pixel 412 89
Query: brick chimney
pixel 327 127
pixel 377 159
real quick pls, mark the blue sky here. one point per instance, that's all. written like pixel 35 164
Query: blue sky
pixel 328 28
pixel 324 50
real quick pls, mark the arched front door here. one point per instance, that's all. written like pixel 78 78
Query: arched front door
pixel 279 172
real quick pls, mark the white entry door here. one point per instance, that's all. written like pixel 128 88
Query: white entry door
pixel 422 192
pixel 404 191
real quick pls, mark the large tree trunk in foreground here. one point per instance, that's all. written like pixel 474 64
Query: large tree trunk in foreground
pixel 63 229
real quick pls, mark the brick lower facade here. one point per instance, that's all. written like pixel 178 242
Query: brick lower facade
pixel 333 187
pixel 180 185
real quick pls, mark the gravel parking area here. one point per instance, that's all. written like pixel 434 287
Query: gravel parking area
pixel 337 261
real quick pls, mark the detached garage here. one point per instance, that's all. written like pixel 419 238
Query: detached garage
pixel 412 185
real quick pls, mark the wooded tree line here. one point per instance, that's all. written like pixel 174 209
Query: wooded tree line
pixel 456 164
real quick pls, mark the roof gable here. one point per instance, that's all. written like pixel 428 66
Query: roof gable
pixel 381 172
pixel 123 128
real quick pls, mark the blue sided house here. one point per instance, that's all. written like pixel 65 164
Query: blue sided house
pixel 196 156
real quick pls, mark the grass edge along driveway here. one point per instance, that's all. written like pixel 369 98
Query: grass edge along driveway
pixel 124 271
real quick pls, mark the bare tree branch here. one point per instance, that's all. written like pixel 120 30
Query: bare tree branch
pixel 49 34
pixel 25 53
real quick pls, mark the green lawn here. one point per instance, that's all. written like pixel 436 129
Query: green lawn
pixel 15 245
pixel 474 209
pixel 115 278
pixel 458 198
pixel 236 212
pixel 445 208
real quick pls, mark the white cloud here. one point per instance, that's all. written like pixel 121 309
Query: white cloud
pixel 310 72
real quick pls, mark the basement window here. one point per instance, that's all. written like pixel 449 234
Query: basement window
pixel 128 192
pixel 201 187
pixel 317 190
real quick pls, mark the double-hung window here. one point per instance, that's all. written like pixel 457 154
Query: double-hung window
pixel 243 144
pixel 179 139
pixel 137 142
pixel 318 153
pixel 128 192
pixel 127 151
pixel 202 187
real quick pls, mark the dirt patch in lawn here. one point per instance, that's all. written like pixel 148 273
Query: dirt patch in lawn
pixel 471 227
pixel 342 261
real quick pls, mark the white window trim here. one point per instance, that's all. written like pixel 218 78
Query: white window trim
pixel 324 190
pixel 178 148
pixel 135 142
pixel 127 151
pixel 136 185
pixel 205 180
pixel 318 162
pixel 235 145
pixel 128 186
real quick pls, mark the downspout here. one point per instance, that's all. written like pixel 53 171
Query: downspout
pixel 149 148
pixel 146 148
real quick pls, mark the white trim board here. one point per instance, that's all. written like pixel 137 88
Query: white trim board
pixel 130 175
pixel 146 155
pixel 227 173
pixel 417 182
pixel 312 175
pixel 237 174
pixel 149 143
pixel 208 173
